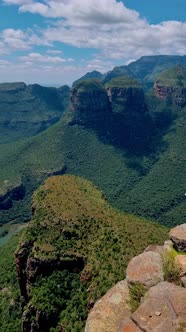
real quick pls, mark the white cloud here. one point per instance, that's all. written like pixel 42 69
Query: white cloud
pixel 95 11
pixel 40 58
pixel 54 52
pixel 114 31
pixel 17 2
pixel 107 25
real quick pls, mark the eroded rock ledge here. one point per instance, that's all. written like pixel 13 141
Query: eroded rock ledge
pixel 163 306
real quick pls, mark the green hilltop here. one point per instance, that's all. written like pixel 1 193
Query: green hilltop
pixel 74 224
pixel 122 82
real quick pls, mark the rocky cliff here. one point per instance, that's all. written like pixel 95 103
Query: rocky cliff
pixel 117 110
pixel 90 104
pixel 171 85
pixel 152 298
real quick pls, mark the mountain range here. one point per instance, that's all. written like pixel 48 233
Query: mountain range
pixel 94 174
pixel 130 143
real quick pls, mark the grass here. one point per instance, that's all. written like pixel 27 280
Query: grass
pixel 136 292
pixel 171 269
pixel 72 217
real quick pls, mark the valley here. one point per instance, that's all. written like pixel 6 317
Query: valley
pixel 90 176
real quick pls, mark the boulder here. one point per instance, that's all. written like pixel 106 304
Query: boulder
pixel 129 326
pixel 155 248
pixel 108 313
pixel 146 269
pixel 183 280
pixel 163 309
pixel 181 261
pixel 178 237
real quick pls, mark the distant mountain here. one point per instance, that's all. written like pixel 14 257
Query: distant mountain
pixel 92 74
pixel 117 72
pixel 147 68
pixel 130 144
pixel 26 110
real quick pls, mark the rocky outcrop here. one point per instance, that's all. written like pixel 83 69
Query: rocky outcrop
pixel 89 103
pixel 110 310
pixel 163 306
pixel 176 94
pixel 178 237
pixel 146 269
pixel 30 267
pixel 171 85
pixel 126 99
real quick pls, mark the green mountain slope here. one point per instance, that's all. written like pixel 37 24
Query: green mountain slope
pixel 28 110
pixel 75 248
pixel 130 146
pixel 148 67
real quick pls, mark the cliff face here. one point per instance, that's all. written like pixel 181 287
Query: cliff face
pixel 171 84
pixel 90 104
pixel 176 94
pixel 117 109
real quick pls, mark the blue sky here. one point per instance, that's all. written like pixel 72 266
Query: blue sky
pixel 53 42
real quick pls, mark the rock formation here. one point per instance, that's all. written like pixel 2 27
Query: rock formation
pixel 171 85
pixel 163 306
pixel 90 103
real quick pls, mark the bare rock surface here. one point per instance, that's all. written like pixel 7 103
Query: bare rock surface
pixel 129 326
pixel 146 269
pixel 155 248
pixel 163 309
pixel 181 261
pixel 178 237
pixel 110 310
pixel 183 280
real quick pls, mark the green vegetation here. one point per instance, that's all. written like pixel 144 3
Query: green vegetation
pixel 88 85
pixel 137 160
pixel 136 292
pixel 10 311
pixel 173 77
pixel 147 68
pixel 27 110
pixel 123 82
pixel 73 219
pixel 171 268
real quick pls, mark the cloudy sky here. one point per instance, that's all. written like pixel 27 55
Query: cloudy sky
pixel 53 42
